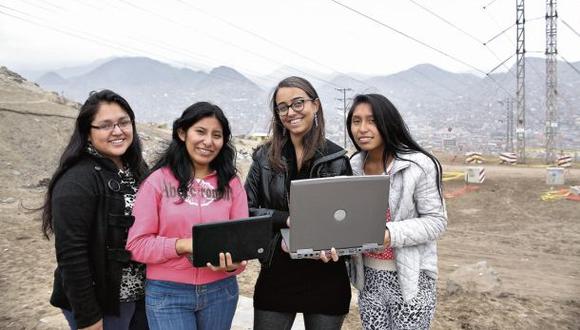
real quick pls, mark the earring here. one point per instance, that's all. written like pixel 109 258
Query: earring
pixel 316 119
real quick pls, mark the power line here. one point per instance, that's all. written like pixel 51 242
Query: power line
pixel 489 4
pixel 464 32
pixel 261 37
pixel 295 52
pixel 408 36
pixel 69 33
pixel 87 36
pixel 164 46
pixel 418 41
pixel 502 64
pixel 506 38
pixel 570 64
pixel 499 34
pixel 571 28
pixel 41 6
pixel 446 21
pixel 223 41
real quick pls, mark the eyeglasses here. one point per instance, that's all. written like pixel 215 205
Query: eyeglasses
pixel 123 124
pixel 297 105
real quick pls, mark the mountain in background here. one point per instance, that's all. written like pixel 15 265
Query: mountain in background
pixel 51 79
pixel 159 92
pixel 437 104
pixel 66 72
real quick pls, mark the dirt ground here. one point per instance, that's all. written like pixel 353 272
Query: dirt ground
pixel 534 246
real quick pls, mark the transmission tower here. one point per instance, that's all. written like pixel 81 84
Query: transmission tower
pixel 520 82
pixel 551 80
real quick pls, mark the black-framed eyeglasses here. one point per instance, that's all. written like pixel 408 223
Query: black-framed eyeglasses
pixel 123 124
pixel 296 105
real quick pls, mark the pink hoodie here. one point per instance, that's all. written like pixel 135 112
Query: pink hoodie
pixel 159 222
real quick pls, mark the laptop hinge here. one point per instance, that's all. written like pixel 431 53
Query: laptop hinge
pixel 305 251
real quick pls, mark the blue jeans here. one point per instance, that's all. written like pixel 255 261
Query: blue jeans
pixel 266 320
pixel 179 306
pixel 110 322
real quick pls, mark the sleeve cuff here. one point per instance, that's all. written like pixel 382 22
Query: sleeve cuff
pixel 169 250
pixel 391 234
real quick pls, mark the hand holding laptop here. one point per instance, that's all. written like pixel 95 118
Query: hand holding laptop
pixel 226 264
pixel 322 256
pixel 387 241
pixel 185 246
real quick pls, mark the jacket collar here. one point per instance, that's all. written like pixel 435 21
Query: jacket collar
pixel 329 152
pixel 103 162
pixel 398 163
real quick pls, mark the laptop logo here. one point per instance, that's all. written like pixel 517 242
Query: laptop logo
pixel 260 250
pixel 339 215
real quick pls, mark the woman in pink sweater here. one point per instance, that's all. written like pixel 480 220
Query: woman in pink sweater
pixel 194 182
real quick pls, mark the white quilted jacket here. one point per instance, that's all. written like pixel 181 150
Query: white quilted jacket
pixel 418 217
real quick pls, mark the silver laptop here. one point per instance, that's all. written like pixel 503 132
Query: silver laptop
pixel 344 212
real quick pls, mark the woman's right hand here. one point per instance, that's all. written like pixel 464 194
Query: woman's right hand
pixel 96 326
pixel 184 246
pixel 284 246
pixel 283 243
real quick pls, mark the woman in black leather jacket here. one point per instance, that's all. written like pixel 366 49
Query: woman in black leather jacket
pixel 88 209
pixel 298 149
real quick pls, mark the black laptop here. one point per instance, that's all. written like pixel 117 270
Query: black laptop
pixel 244 239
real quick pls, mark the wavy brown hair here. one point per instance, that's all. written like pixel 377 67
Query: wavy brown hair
pixel 314 139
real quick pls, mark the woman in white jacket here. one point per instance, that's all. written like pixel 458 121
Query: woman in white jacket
pixel 398 289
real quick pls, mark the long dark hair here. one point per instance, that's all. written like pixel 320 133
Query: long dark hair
pixel 397 139
pixel 176 158
pixel 314 139
pixel 76 148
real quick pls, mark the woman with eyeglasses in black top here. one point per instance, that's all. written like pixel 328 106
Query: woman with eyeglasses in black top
pixel 88 209
pixel 297 149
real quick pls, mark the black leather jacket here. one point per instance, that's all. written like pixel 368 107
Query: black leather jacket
pixel 90 232
pixel 284 284
pixel 267 189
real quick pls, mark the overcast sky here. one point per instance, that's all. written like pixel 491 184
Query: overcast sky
pixel 257 37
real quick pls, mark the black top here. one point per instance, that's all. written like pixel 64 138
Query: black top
pixel 285 284
pixel 90 233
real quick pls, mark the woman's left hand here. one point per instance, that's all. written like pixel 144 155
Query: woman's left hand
pixel 226 264
pixel 387 241
pixel 333 256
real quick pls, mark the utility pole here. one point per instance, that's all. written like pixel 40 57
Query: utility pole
pixel 509 108
pixel 520 82
pixel 344 99
pixel 551 80
pixel 509 123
